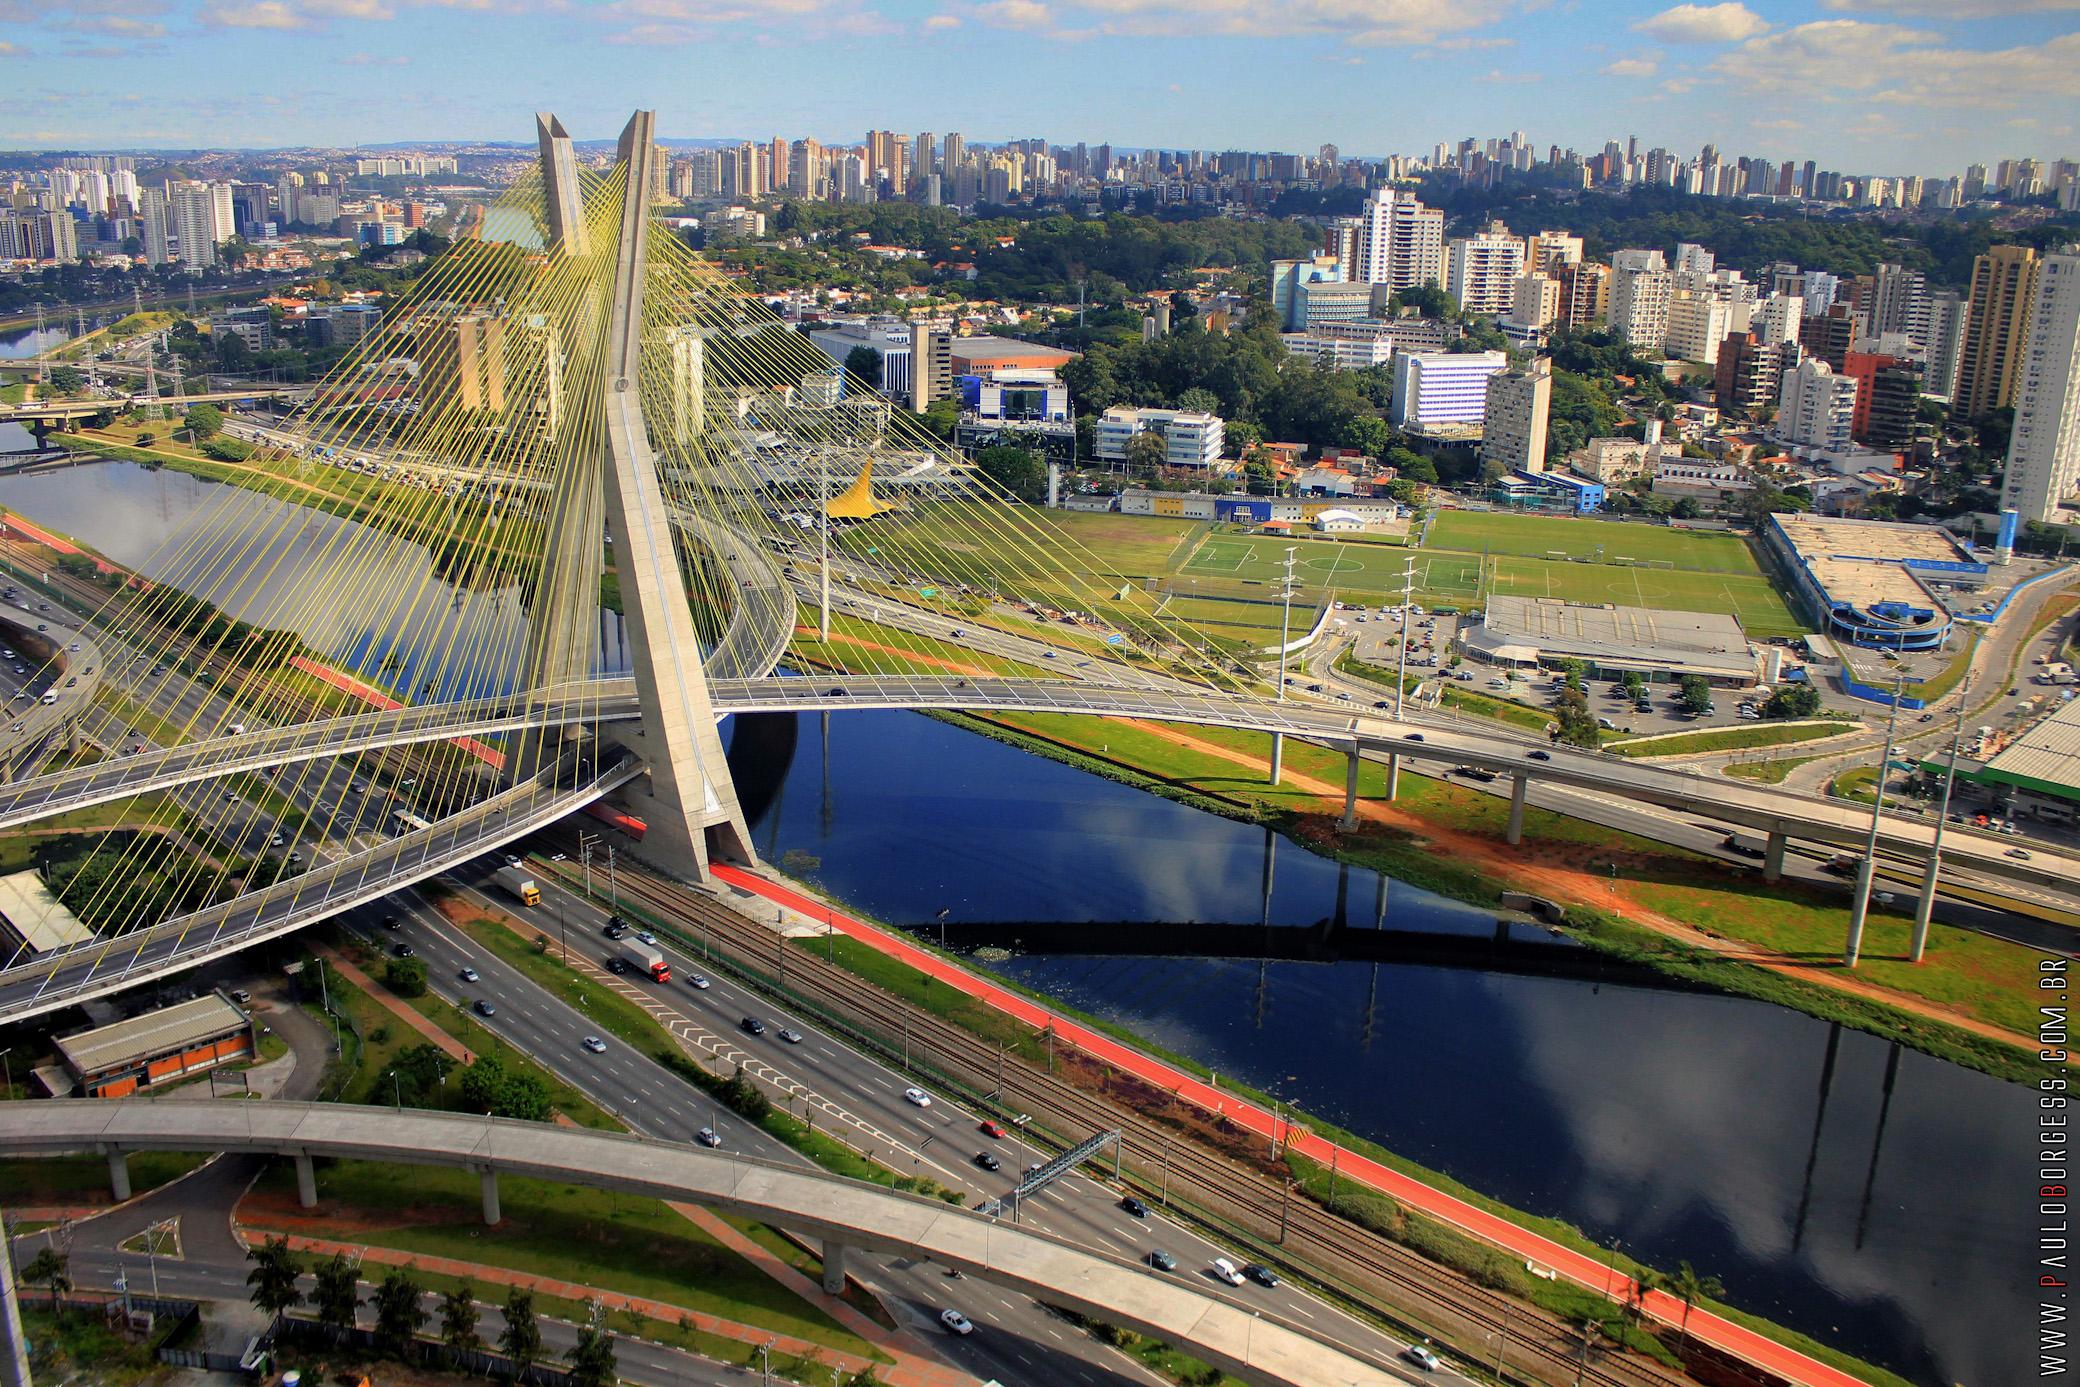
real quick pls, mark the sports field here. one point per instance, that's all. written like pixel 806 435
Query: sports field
pixel 1600 541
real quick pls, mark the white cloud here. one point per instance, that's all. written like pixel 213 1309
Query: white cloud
pixel 263 14
pixel 1370 22
pixel 1955 9
pixel 1724 23
pixel 1016 14
pixel 943 21
pixel 1895 64
pixel 371 60
pixel 1496 77
pixel 1632 67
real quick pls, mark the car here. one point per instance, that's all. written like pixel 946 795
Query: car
pixel 617 965
pixel 241 996
pixel 403 950
pixel 1262 1275
pixel 1133 1206
pixel 917 1096
pixel 484 1008
pixel 1047 654
pixel 753 1026
pixel 1382 703
pixel 74 647
pixel 2019 854
pixel 356 787
pixel 595 1044
pixel 511 860
pixel 700 983
pixel 1314 688
pixel 835 692
pixel 706 1137
pixel 469 975
pixel 1413 737
pixel 955 1322
pixel 1227 1271
pixel 616 930
pixel 646 936
pixel 1162 1261
pixel 1539 755
pixel 2008 827
pixel 988 1161
pixel 279 841
pixel 790 1035
pixel 1422 1358
pixel 992 1130
pixel 391 922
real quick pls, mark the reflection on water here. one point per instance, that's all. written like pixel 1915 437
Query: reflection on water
pixel 1859 1192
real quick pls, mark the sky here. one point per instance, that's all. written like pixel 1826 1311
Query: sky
pixel 1874 86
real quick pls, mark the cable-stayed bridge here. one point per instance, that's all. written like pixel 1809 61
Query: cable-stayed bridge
pixel 570 428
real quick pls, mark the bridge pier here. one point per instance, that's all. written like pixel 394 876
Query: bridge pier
pixel 306 1181
pixel 1393 775
pixel 1773 857
pixel 14 1344
pixel 1520 785
pixel 1278 756
pixel 1349 821
pixel 487 1184
pixel 119 1175
pixel 834 1258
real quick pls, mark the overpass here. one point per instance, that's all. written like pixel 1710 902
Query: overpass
pixel 1185 1312
pixel 43 413
pixel 99 969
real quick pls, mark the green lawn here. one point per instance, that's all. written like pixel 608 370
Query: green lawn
pixel 1731 738
pixel 1760 607
pixel 1603 541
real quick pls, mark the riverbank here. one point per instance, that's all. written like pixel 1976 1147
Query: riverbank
pixel 1679 913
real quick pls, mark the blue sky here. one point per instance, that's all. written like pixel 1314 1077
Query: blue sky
pixel 1882 86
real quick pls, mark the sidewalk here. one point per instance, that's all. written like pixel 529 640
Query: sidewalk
pixel 1787 1364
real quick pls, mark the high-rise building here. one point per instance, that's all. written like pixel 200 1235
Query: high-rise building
pixel 2004 282
pixel 1552 248
pixel 153 226
pixel 1640 295
pixel 1749 371
pixel 1948 313
pixel 2044 449
pixel 1830 335
pixel 1697 323
pixel 461 359
pixel 1288 275
pixel 805 168
pixel 1816 408
pixel 1585 294
pixel 1400 241
pixel 1534 302
pixel 931 364
pixel 1513 426
pixel 201 217
pixel 1777 318
pixel 1481 270
pixel 1888 393
pixel 686 406
pixel 1443 388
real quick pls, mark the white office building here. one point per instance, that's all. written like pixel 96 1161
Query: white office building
pixel 1442 389
pixel 1191 439
pixel 1481 271
pixel 201 217
pixel 1342 346
pixel 1288 275
pixel 1329 301
pixel 2044 449
pixel 1640 297
pixel 1697 324
pixel 1400 242
pixel 1816 408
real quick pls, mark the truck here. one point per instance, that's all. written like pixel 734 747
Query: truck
pixel 1746 844
pixel 520 882
pixel 646 960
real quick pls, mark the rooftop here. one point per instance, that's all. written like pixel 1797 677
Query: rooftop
pixel 33 913
pixel 159 1032
pixel 1549 621
pixel 2045 756
pixel 1867 562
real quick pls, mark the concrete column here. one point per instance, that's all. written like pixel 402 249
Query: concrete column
pixel 1393 775
pixel 1925 907
pixel 1278 756
pixel 306 1182
pixel 14 1345
pixel 487 1182
pixel 1520 784
pixel 1773 857
pixel 834 1267
pixel 119 1175
pixel 1349 821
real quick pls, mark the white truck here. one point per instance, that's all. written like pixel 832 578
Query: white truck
pixel 646 960
pixel 521 883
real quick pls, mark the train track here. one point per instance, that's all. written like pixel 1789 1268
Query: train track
pixel 1267 1215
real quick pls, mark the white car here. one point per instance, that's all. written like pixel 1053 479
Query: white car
pixel 955 1322
pixel 469 975
pixel 596 1045
pixel 1422 1358
pixel 1227 1271
pixel 918 1096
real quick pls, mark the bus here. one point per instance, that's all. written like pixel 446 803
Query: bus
pixel 409 823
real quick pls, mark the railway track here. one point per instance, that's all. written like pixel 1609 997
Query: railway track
pixel 1251 1206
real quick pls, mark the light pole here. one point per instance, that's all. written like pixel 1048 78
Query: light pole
pixel 1285 620
pixel 1852 948
pixel 1925 907
pixel 1408 587
pixel 613 882
pixel 396 1091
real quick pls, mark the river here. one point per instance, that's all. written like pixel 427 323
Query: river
pixel 1871 1196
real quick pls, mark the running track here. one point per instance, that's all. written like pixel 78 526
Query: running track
pixel 1787 1364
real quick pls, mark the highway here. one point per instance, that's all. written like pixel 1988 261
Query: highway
pixel 1019 1341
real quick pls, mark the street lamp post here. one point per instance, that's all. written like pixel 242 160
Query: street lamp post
pixel 1285 620
pixel 1408 588
pixel 1852 948
pixel 1925 907
pixel 613 883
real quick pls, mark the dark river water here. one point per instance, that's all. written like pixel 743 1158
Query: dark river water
pixel 1873 1197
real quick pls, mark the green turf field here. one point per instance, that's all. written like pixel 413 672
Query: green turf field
pixel 1759 606
pixel 1547 536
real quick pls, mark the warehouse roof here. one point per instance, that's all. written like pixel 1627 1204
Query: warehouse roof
pixel 1645 637
pixel 37 916
pixel 2046 756
pixel 165 1031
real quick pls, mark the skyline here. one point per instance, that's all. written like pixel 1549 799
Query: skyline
pixel 1883 86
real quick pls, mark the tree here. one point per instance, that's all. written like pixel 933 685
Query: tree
pixel 203 421
pixel 48 1268
pixel 1574 670
pixel 399 1315
pixel 420 1071
pixel 1691 1288
pixel 1199 400
pixel 1369 434
pixel 459 1322
pixel 743 1097
pixel 1645 1282
pixel 227 449
pixel 1146 451
pixel 521 1339
pixel 405 976
pixel 1793 701
pixel 1696 693
pixel 942 415
pixel 1015 469
pixel 592 1360
pixel 864 363
pixel 273 1276
pixel 146 438
pixel 1577 725
pixel 338 1293
pixel 67 380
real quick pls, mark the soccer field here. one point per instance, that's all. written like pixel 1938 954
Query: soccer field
pixel 1600 541
pixel 1369 573
pixel 1759 606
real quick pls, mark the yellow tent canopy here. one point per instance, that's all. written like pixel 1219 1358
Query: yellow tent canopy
pixel 856 502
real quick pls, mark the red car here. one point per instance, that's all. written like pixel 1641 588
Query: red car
pixel 991 1129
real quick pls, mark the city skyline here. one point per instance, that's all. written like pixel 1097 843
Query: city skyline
pixel 1902 86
